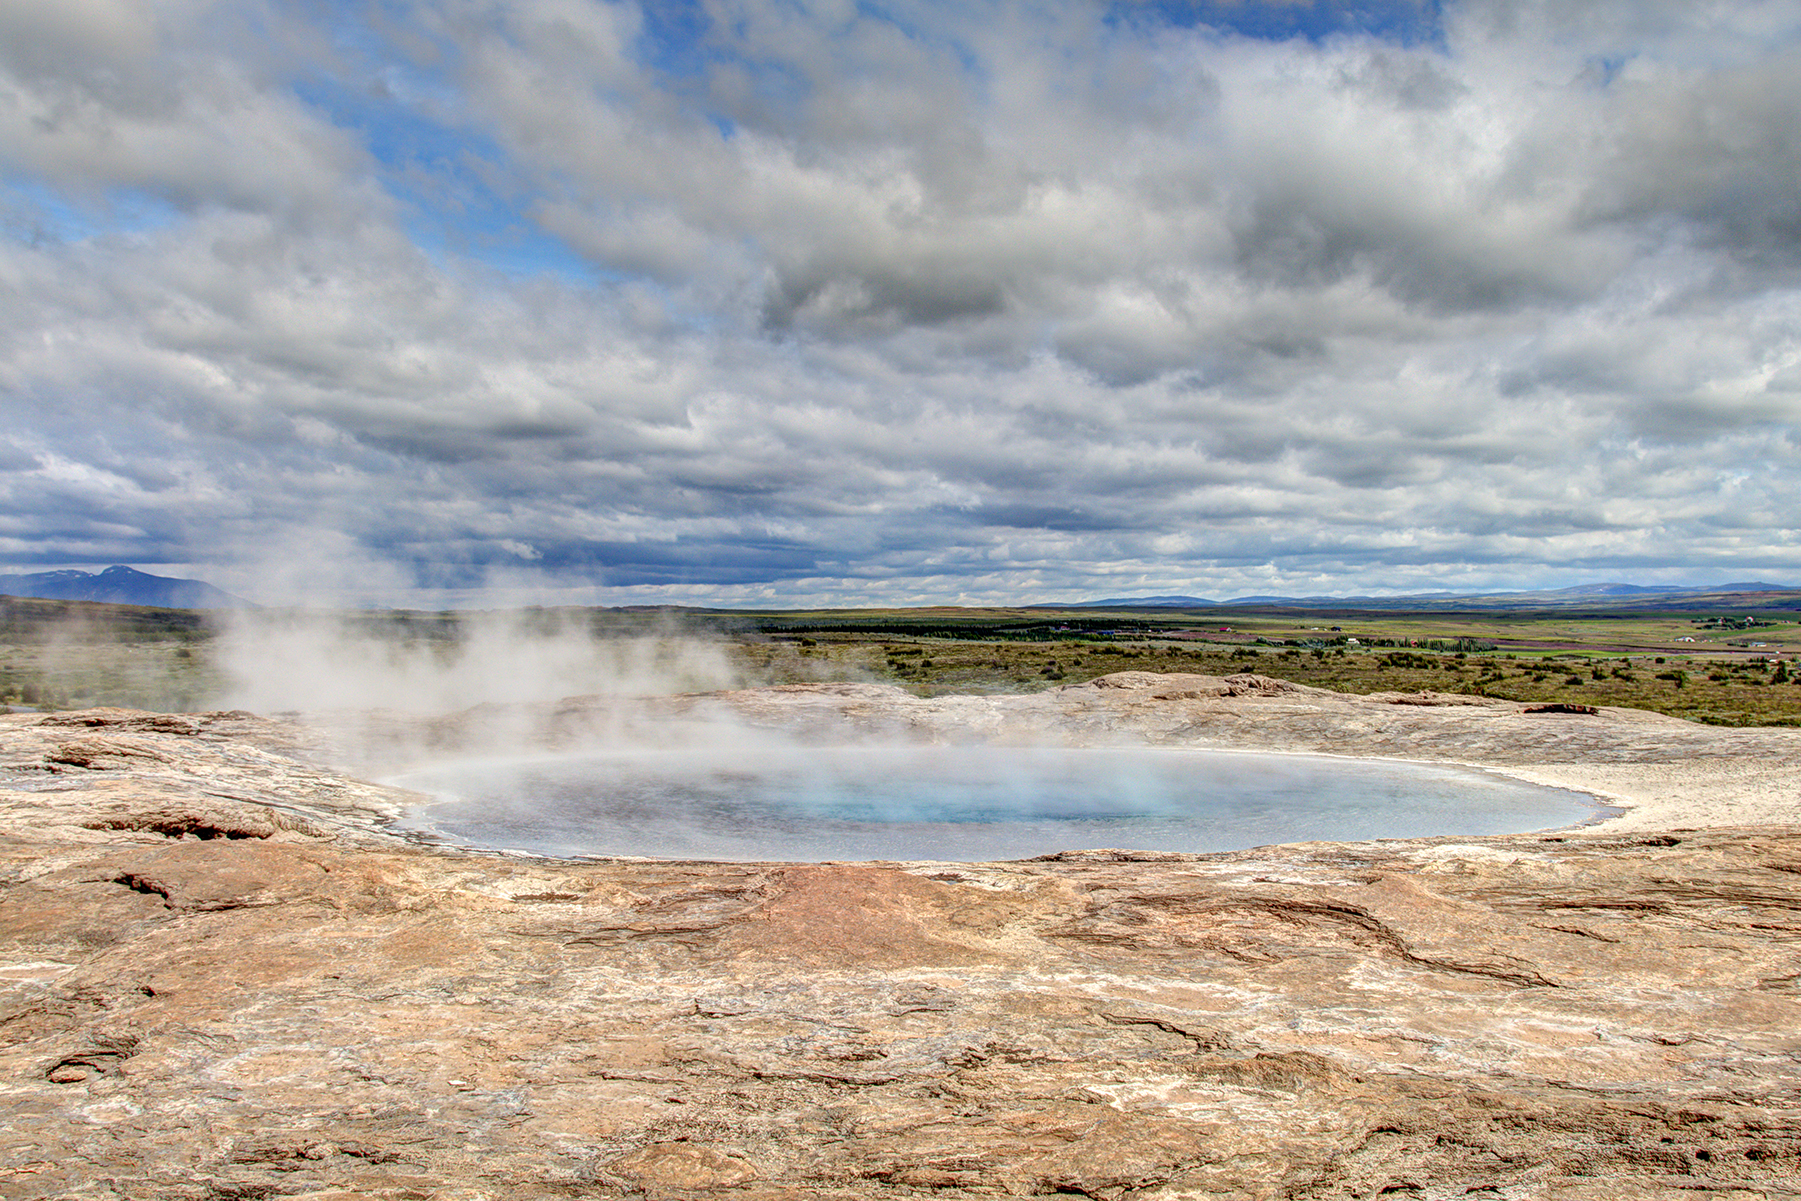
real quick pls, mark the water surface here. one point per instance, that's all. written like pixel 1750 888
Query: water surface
pixel 967 804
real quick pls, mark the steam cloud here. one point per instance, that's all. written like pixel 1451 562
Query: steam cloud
pixel 321 662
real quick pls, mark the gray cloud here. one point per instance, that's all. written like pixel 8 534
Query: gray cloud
pixel 992 302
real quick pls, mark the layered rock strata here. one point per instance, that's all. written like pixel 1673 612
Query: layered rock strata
pixel 221 977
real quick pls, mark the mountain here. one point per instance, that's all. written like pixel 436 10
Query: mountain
pixel 1662 589
pixel 1198 602
pixel 1603 595
pixel 121 586
pixel 1140 602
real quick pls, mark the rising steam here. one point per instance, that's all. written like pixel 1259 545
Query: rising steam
pixel 393 690
pixel 313 662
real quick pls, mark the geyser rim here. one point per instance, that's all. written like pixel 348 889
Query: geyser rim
pixel 1601 809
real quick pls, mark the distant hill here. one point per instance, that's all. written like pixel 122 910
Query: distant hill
pixel 1662 589
pixel 121 586
pixel 1755 593
pixel 1140 602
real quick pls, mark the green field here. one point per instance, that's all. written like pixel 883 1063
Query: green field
pixel 1738 674
pixel 1728 664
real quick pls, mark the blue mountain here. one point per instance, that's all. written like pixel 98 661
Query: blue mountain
pixel 121 586
pixel 1653 594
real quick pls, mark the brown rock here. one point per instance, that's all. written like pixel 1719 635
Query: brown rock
pixel 680 1167
pixel 309 1007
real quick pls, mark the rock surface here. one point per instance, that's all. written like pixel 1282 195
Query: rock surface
pixel 221 977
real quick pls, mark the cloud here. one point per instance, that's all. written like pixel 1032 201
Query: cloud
pixel 812 303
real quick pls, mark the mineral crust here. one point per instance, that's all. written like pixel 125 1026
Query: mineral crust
pixel 221 976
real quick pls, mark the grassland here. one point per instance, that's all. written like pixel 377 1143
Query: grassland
pixel 1726 691
pixel 65 654
pixel 1719 664
pixel 1723 666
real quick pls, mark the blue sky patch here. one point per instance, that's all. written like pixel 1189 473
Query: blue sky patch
pixel 1404 22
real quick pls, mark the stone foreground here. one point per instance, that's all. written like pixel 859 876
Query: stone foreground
pixel 219 977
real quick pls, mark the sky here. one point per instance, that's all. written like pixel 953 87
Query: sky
pixel 818 302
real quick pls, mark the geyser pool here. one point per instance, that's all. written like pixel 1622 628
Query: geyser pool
pixel 967 804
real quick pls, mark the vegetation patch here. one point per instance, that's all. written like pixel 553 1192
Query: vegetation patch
pixel 1723 666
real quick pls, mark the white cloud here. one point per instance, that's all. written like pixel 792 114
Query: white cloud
pixel 1002 301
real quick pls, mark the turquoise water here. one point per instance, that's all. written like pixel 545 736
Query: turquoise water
pixel 968 804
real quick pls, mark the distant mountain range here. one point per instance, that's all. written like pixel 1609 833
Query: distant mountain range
pixel 127 586
pixel 121 586
pixel 1607 595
